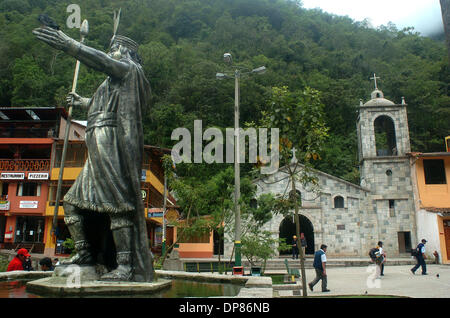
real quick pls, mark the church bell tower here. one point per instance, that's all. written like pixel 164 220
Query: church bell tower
pixel 383 142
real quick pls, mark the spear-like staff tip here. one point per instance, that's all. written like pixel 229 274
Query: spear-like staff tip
pixel 84 30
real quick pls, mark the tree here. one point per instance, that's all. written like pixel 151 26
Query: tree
pixel 258 246
pixel 299 116
pixel 29 83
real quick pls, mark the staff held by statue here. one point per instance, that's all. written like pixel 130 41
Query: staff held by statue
pixel 84 29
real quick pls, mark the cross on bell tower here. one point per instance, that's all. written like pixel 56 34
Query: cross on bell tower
pixel 375 80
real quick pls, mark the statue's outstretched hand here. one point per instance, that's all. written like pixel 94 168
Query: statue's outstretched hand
pixel 55 38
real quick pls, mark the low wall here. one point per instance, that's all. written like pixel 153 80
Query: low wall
pixel 254 286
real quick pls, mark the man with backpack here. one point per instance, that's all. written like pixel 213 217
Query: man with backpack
pixel 377 257
pixel 320 261
pixel 420 256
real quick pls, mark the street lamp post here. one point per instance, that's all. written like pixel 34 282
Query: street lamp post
pixel 237 174
pixel 237 178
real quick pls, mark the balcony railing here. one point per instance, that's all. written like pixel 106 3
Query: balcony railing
pixel 25 165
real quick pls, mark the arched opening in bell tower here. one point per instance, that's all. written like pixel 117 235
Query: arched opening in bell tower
pixel 385 139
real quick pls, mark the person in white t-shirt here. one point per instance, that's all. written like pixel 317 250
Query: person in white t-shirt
pixel 381 260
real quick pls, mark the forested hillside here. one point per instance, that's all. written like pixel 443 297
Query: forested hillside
pixel 182 44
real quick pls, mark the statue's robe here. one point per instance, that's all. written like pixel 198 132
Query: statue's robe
pixel 110 181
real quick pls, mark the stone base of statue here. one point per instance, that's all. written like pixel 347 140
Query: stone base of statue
pixel 83 281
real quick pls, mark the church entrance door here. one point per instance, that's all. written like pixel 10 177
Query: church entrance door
pixel 287 231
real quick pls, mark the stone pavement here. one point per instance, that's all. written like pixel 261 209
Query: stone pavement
pixel 397 281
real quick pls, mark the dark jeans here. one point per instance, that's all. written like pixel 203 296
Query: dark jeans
pixel 420 262
pixel 319 276
pixel 295 252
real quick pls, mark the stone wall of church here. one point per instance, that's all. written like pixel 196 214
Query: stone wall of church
pixel 338 228
pixel 392 204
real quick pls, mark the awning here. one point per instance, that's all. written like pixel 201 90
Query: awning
pixel 157 220
pixel 31 113
pixel 26 141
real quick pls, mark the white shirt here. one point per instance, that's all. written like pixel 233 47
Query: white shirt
pixel 323 258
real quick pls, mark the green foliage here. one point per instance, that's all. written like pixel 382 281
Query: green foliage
pixel 182 44
pixel 299 116
pixel 259 246
pixel 3 263
pixel 69 244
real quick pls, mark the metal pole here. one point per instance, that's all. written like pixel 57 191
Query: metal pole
pixel 163 248
pixel 237 181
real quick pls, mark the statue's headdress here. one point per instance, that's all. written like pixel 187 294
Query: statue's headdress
pixel 120 39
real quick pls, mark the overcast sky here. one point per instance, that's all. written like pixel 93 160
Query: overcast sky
pixel 424 15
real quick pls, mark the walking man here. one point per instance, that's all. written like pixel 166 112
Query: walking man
pixel 420 256
pixel 380 260
pixel 320 261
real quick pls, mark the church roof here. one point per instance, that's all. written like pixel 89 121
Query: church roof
pixel 318 172
pixel 378 99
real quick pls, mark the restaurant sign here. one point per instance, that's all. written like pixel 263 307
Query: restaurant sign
pixel 13 175
pixel 38 175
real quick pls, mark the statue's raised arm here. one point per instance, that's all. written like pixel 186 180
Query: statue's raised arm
pixel 96 59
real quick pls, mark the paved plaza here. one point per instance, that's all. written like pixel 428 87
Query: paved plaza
pixel 397 281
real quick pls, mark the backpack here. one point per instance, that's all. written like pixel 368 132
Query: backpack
pixel 417 251
pixel 373 253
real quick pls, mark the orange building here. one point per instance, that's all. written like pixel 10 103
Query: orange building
pixel 31 143
pixel 432 200
pixel 26 139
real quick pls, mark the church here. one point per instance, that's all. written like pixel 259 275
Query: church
pixel 349 218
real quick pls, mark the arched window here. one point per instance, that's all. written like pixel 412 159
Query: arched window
pixel 385 139
pixel 338 202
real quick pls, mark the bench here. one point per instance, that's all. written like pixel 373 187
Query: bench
pixel 291 271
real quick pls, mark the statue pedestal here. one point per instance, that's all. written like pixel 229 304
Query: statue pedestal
pixel 85 273
pixel 82 281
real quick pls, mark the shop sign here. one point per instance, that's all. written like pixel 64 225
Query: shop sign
pixel 4 205
pixel 13 175
pixel 28 204
pixel 38 175
pixel 155 214
pixel 8 235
